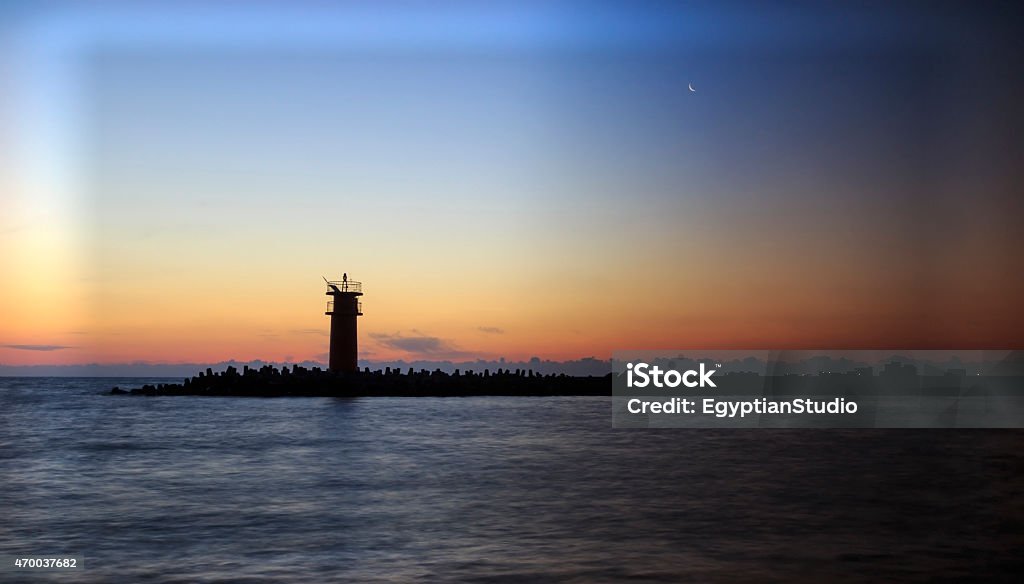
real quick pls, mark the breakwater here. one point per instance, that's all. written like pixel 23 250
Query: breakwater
pixel 298 381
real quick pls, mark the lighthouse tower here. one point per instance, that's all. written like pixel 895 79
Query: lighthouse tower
pixel 343 308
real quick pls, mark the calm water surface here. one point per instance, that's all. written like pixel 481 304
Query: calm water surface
pixel 186 489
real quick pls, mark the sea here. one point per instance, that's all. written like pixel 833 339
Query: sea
pixel 484 489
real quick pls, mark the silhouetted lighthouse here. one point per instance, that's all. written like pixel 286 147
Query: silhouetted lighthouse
pixel 343 310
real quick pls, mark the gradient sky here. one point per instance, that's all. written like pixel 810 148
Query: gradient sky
pixel 507 179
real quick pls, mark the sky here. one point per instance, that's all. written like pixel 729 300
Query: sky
pixel 507 179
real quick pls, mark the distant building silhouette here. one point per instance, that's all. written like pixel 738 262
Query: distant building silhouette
pixel 898 370
pixel 343 309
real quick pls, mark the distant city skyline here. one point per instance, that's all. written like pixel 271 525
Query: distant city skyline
pixel 800 362
pixel 508 180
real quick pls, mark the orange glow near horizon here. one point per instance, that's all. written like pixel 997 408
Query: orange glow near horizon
pixel 178 316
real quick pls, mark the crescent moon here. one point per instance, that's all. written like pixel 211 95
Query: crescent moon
pixel 690 85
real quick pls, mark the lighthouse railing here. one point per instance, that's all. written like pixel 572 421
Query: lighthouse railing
pixel 359 306
pixel 346 285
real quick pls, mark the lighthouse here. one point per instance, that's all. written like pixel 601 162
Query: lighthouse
pixel 343 308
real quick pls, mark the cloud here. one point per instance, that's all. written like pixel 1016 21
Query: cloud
pixel 491 330
pixel 37 347
pixel 310 331
pixel 419 344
